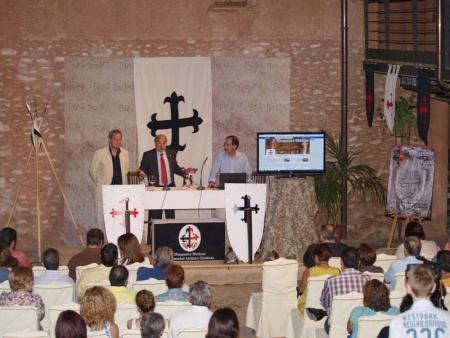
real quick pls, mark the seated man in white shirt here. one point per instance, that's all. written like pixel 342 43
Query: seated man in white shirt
pixel 198 315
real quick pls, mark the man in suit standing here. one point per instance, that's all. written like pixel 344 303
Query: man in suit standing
pixel 162 163
pixel 109 165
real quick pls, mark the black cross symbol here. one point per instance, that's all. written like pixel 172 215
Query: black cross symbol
pixel 175 123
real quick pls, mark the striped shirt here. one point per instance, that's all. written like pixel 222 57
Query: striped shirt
pixel 349 280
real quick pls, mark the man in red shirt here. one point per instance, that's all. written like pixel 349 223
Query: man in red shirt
pixel 8 238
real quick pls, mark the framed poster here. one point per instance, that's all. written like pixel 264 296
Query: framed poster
pixel 411 179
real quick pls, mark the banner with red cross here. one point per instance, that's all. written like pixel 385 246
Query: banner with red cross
pixel 114 207
pixel 423 103
pixel 389 96
pixel 370 92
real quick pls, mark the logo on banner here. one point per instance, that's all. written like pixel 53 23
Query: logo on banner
pixel 189 237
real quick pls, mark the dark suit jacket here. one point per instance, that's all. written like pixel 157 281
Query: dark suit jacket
pixel 149 164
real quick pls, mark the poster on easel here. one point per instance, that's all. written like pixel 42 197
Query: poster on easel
pixel 411 179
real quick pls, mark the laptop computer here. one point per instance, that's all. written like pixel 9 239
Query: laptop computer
pixel 231 178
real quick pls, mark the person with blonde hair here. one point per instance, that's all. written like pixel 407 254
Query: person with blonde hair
pixel 423 319
pixel 21 284
pixel 145 301
pixel 129 250
pixel 97 307
pixel 7 262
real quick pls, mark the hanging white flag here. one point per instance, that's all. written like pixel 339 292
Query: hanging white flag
pixel 389 96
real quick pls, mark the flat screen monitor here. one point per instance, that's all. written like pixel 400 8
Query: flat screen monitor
pixel 291 153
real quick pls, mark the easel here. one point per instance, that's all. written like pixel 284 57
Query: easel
pixel 394 224
pixel 37 141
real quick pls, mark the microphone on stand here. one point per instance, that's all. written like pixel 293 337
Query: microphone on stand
pixel 201 187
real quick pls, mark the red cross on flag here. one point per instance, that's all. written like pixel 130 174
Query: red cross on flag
pixel 389 96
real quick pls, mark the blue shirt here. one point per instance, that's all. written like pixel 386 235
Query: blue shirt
pixel 4 274
pixel 364 311
pixel 173 294
pixel 147 273
pixel 224 163
pixel 398 266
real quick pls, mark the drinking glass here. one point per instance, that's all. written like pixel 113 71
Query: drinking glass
pixel 151 179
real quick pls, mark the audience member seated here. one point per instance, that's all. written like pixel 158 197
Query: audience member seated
pixel 321 254
pixel 447 244
pixel 108 257
pixel 420 285
pixel 411 250
pixel 70 324
pixel 130 250
pixel 328 237
pixel 8 238
pixel 429 248
pixel 368 256
pixel 91 254
pixel 174 281
pixel 153 325
pixel 443 260
pixel 118 278
pixel 376 299
pixel 198 315
pixel 7 262
pixel 21 284
pixel 50 261
pixel 405 305
pixel 349 280
pixel 97 307
pixel 163 257
pixel 224 323
pixel 145 301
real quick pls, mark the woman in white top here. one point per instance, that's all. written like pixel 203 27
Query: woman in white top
pixel 145 301
pixel 429 248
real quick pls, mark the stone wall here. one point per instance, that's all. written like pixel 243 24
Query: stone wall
pixel 36 37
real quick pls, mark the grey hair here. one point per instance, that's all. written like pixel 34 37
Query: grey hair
pixel 413 245
pixel 163 257
pixel 328 231
pixel 200 293
pixel 114 131
pixel 152 325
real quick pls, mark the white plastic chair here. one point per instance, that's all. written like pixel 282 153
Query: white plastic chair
pixel 53 294
pixel 132 271
pixel 105 283
pixel 124 312
pixel 396 297
pixel 195 332
pixel 375 275
pixel 132 333
pixel 27 333
pixel 302 326
pixel 400 280
pixel 79 269
pixel 16 318
pixel 340 313
pixel 97 334
pixel 335 262
pixel 447 297
pixel 39 270
pixel 268 312
pixel 54 312
pixel 154 285
pixel 5 286
pixel 169 307
pixel 370 326
pixel 384 261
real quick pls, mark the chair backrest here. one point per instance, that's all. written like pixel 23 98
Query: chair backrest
pixel 5 286
pixel 314 291
pixel 97 334
pixel 447 297
pixel 105 283
pixel 340 312
pixel 15 318
pixel 132 271
pixel 54 312
pixel 133 177
pixel 39 270
pixel 335 262
pixel 133 333
pixel 79 269
pixel 396 297
pixel 124 312
pixel 27 333
pixel 400 280
pixel 370 326
pixel 195 332
pixel 154 285
pixel 169 307
pixel 375 275
pixel 258 178
pixel 384 261
pixel 53 294
pixel 279 278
